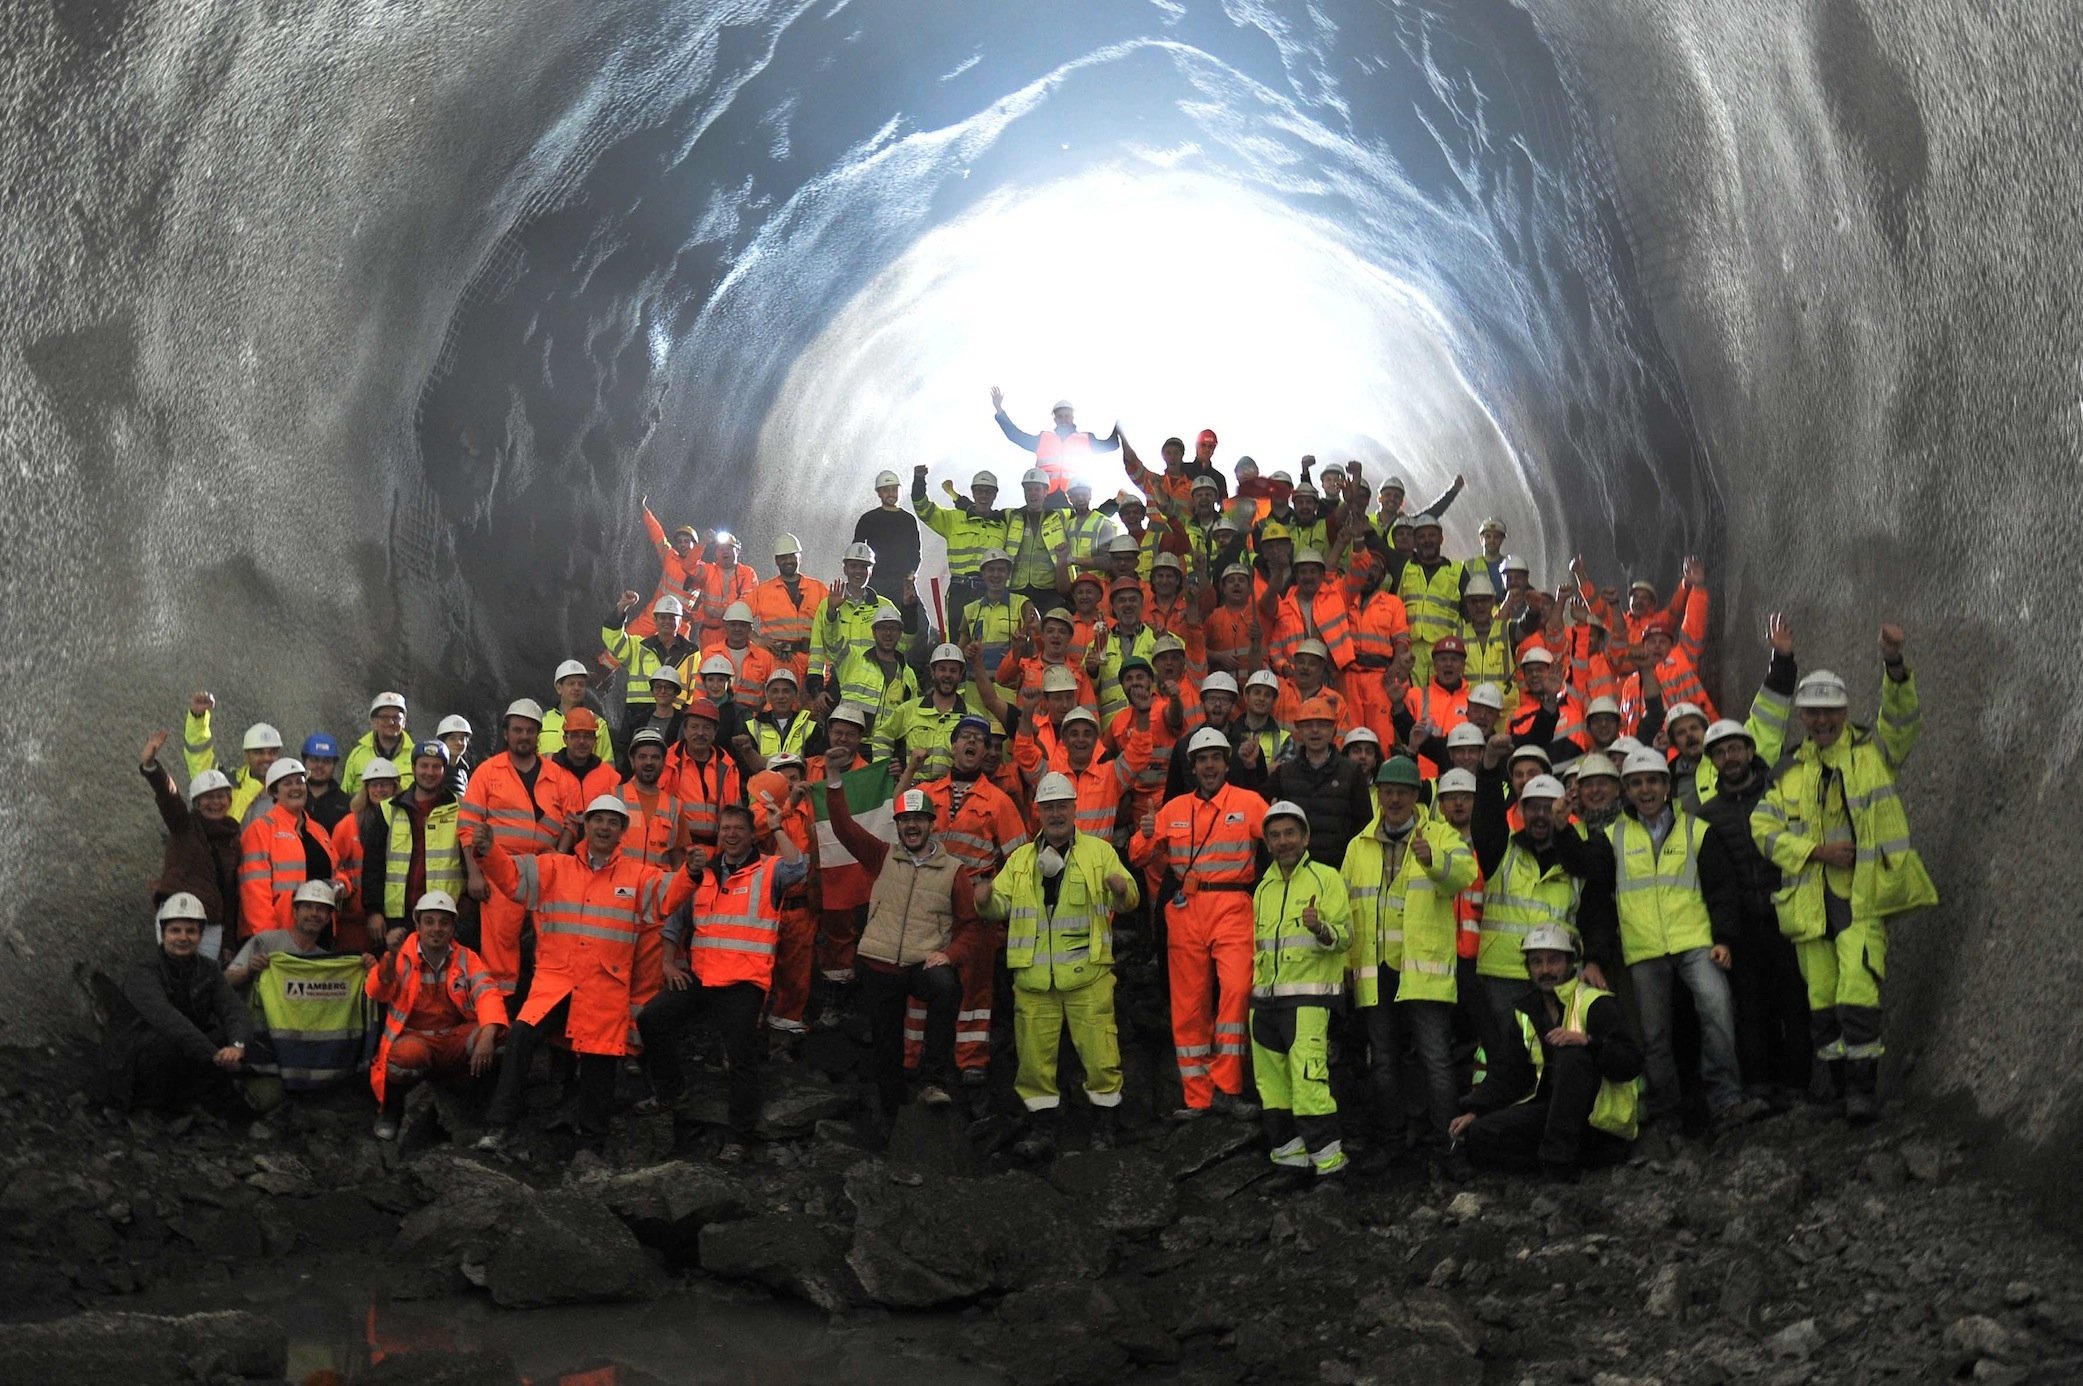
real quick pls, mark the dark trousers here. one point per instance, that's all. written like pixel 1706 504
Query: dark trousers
pixel 884 997
pixel 1043 598
pixel 734 1011
pixel 1552 1129
pixel 1772 1044
pixel 596 1073
pixel 1394 1027
pixel 162 1077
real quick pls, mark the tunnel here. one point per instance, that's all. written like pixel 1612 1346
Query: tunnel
pixel 343 341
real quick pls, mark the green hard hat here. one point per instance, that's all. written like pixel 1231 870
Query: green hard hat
pixel 1398 770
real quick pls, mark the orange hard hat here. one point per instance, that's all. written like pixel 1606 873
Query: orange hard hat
pixel 769 783
pixel 581 719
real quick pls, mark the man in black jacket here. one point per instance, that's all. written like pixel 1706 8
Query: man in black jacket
pixel 177 1031
pixel 1772 1041
pixel 891 531
pixel 1328 786
pixel 1559 1091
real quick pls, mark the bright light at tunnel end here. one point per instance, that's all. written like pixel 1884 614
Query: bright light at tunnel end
pixel 1167 302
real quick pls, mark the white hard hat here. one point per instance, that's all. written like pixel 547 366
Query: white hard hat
pixel 1396 482
pixel 1168 560
pixel 723 536
pixel 849 712
pixel 1537 654
pixel 784 674
pixel 788 543
pixel 567 669
pixel 1487 695
pixel 379 768
pixel 1123 543
pixel 717 664
pixel 1203 482
pixel 1219 682
pixel 1400 522
pixel 1645 762
pixel 994 556
pixel 1055 789
pixel 1822 689
pixel 524 707
pixel 1263 678
pixel 1061 404
pixel 1079 714
pixel 1596 766
pixel 1467 734
pixel 608 803
pixel 1479 585
pixel 1719 732
pixel 948 654
pixel 1309 556
pixel 777 761
pixel 1126 498
pixel 283 769
pixel 436 900
pixel 1603 705
pixel 1034 476
pixel 1359 736
pixel 886 612
pixel 1567 770
pixel 181 905
pixel 1307 488
pixel 738 611
pixel 883 479
pixel 1286 478
pixel 1057 679
pixel 668 606
pixel 452 724
pixel 262 737
pixel 914 801
pixel 665 673
pixel 857 552
pixel 1489 523
pixel 1528 753
pixel 1207 739
pixel 1622 747
pixel 205 783
pixel 1425 520
pixel 1310 645
pixel 1080 484
pixel 384 700
pixel 1678 710
pixel 1286 808
pixel 1513 564
pixel 1548 938
pixel 989 479
pixel 316 893
pixel 1542 787
pixel 1167 643
pixel 1457 782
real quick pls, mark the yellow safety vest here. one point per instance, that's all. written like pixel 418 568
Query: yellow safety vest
pixel 1617 1109
pixel 444 860
pixel 1517 898
pixel 1288 965
pixel 1407 924
pixel 1073 947
pixel 1658 892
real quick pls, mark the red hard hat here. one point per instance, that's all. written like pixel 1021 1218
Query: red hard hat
pixel 1449 644
pixel 702 707
pixel 1660 625
pixel 1207 436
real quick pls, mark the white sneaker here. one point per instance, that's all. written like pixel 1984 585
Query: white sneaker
pixel 386 1128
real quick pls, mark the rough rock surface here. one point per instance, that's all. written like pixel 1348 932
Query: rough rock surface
pixel 96 1348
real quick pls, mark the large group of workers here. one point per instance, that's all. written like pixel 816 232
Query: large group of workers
pixel 1345 802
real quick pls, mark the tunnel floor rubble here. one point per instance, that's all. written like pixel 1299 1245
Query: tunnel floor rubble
pixel 1794 1250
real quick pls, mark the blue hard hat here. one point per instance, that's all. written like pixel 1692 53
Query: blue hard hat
pixel 431 747
pixel 320 744
pixel 972 722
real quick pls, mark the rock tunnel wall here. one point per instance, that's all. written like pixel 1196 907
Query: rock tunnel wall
pixel 340 343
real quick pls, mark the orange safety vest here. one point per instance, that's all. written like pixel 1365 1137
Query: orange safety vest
pixel 702 790
pixel 1378 618
pixel 1180 617
pixel 463 977
pixel 753 665
pixel 271 867
pixel 576 791
pixel 589 935
pixel 719 591
pixel 1228 633
pixel 736 926
pixel 1210 844
pixel 985 830
pixel 1333 625
pixel 785 620
pixel 497 800
pixel 1058 455
pixel 650 835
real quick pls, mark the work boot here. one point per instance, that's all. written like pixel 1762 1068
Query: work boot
pixel 1040 1141
pixel 1182 1115
pixel 1861 1101
pixel 1374 1160
pixel 1235 1106
pixel 1826 1082
pixel 934 1095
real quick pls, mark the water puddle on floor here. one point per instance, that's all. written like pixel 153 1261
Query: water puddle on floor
pixel 691 1335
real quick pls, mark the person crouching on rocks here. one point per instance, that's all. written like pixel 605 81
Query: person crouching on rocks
pixel 177 1033
pixel 443 1011
pixel 1561 1091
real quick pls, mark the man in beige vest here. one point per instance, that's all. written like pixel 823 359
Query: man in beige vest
pixel 922 927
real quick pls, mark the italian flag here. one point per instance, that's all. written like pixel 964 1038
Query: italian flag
pixel 868 797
